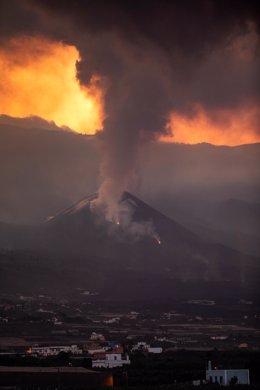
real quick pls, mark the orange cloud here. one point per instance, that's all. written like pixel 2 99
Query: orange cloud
pixel 38 77
pixel 219 127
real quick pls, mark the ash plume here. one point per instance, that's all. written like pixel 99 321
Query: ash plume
pixel 155 58
pixel 138 106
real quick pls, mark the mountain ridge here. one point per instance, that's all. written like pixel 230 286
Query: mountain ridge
pixel 59 167
pixel 102 257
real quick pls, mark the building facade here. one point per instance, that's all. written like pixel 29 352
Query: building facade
pixel 111 360
pixel 142 346
pixel 227 377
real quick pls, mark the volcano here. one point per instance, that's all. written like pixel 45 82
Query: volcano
pixel 138 223
pixel 148 254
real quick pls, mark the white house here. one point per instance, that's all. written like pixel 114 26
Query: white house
pixel 111 360
pixel 143 346
pixel 155 349
pixel 227 377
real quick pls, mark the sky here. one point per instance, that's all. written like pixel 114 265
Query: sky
pixel 132 73
pixel 184 71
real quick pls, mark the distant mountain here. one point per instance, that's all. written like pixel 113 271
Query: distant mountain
pixel 42 171
pixel 235 222
pixel 160 256
pixel 236 215
pixel 242 242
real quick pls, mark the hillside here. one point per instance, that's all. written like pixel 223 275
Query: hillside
pixel 76 249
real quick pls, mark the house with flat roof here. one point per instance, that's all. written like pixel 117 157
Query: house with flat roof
pixel 111 360
pixel 226 377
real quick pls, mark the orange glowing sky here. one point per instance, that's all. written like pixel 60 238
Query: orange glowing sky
pixel 219 127
pixel 38 77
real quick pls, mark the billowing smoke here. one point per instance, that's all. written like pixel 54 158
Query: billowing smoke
pixel 138 103
pixel 127 228
pixel 154 59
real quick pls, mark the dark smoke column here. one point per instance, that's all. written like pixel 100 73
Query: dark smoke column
pixel 137 108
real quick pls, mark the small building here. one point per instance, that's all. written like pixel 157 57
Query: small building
pixel 142 346
pixel 226 377
pixel 111 360
pixel 155 349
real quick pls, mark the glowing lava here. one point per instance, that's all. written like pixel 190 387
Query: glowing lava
pixel 157 239
pixel 38 77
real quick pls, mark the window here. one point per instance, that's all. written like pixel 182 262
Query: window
pixel 221 379
pixel 216 379
pixel 233 380
pixel 210 379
